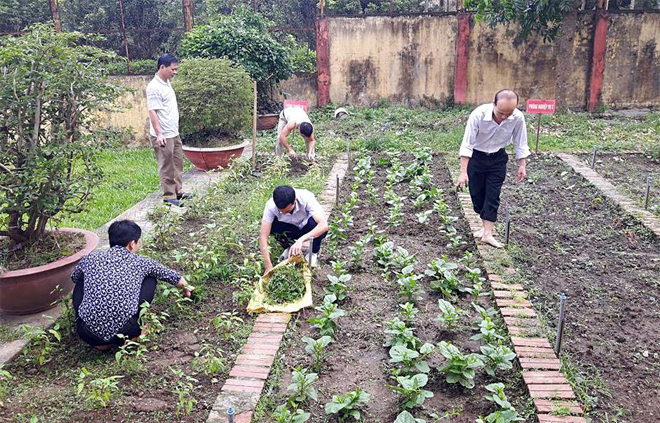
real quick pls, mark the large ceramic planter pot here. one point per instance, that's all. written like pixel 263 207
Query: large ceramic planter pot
pixel 213 158
pixel 269 121
pixel 35 289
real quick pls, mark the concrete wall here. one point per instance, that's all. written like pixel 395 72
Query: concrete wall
pixel 406 60
pixel 410 60
pixel 302 86
pixel 632 62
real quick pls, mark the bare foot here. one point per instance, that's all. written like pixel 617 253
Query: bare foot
pixel 492 241
pixel 479 233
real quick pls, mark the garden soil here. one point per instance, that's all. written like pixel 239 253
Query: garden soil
pixel 358 357
pixel 567 237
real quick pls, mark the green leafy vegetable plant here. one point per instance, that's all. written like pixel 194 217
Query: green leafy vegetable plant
pixel 317 349
pixel 459 368
pixel 408 312
pixel 406 417
pixel 449 315
pixel 409 285
pixel 99 391
pixel 282 414
pixel 302 386
pixel 338 286
pixel 411 388
pixel 348 405
pixel 411 361
pixel 487 332
pixel 330 312
pixel 397 333
pixel 497 395
pixel 497 357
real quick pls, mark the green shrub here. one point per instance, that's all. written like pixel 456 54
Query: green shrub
pixel 138 67
pixel 213 95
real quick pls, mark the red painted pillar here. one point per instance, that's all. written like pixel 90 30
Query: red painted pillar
pixel 462 48
pixel 598 61
pixel 323 61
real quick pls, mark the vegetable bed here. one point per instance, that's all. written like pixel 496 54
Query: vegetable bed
pixel 389 314
pixel 567 237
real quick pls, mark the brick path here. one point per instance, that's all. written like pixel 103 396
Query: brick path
pixel 248 376
pixel 611 192
pixel 547 386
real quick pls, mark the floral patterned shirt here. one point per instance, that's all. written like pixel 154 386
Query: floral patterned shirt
pixel 111 287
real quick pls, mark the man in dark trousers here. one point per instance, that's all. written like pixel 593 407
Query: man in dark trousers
pixel 292 215
pixel 111 285
pixel 490 129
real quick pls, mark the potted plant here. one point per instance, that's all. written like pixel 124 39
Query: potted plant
pixel 243 37
pixel 51 87
pixel 215 98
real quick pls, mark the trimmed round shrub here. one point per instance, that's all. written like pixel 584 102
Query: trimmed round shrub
pixel 214 97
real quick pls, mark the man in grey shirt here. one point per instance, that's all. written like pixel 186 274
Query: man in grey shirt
pixel 490 128
pixel 164 130
pixel 292 215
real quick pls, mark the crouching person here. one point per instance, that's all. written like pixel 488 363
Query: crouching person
pixel 111 285
pixel 293 216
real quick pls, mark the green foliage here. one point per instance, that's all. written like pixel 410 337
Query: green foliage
pixel 487 332
pixel 184 388
pixel 5 379
pixel 406 417
pixel 411 361
pixel 317 349
pixel 285 285
pixel 282 414
pixel 330 312
pixel 408 312
pixel 449 315
pixel 243 38
pixel 303 59
pixel 51 88
pixel 444 279
pixel 209 360
pixel 497 357
pixel 409 285
pixel 397 333
pixel 541 17
pixel 42 342
pixel 411 388
pixel 497 395
pixel 348 405
pixel 301 386
pixel 131 355
pixel 459 368
pixel 226 322
pixel 99 391
pixel 338 286
pixel 138 67
pixel 501 416
pixel 213 96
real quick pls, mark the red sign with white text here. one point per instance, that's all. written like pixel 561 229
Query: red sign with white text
pixel 540 106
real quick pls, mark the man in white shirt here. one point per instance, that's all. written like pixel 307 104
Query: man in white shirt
pixel 293 216
pixel 291 118
pixel 164 130
pixel 490 128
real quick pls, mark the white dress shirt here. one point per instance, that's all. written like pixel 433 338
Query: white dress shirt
pixel 305 206
pixel 483 134
pixel 162 99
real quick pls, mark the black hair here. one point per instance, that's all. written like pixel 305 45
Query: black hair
pixel 122 232
pixel 306 129
pixel 497 95
pixel 166 60
pixel 283 196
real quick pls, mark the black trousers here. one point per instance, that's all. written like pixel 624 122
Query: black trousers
pixel 286 233
pixel 131 329
pixel 486 174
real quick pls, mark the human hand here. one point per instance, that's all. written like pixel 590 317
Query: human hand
pixel 296 248
pixel 462 181
pixel 161 141
pixel 292 154
pixel 522 174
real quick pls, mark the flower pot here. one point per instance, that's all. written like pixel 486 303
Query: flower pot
pixel 268 121
pixel 213 158
pixel 32 290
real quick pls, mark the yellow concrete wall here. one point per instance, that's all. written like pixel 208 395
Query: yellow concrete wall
pixel 134 113
pixel 302 86
pixel 405 60
pixel 632 61
pixel 494 62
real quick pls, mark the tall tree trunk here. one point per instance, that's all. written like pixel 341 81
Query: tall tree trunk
pixel 564 54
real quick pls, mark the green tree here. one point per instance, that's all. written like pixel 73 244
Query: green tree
pixel 16 15
pixel 51 87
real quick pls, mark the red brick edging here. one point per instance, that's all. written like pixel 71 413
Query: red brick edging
pixel 546 384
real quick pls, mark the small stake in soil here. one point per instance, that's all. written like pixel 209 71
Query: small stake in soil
pixel 230 415
pixel 593 157
pixel 560 325
pixel 648 190
pixel 507 229
pixel 311 248
pixel 538 132
pixel 348 153
pixel 337 191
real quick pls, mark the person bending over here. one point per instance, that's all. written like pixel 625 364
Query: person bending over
pixel 111 285
pixel 292 215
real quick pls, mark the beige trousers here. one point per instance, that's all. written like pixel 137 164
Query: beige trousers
pixel 170 166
